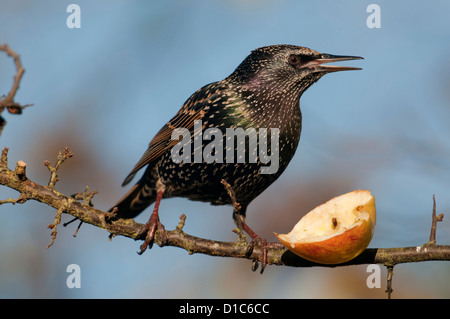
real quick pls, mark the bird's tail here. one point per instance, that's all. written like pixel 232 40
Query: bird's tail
pixel 138 198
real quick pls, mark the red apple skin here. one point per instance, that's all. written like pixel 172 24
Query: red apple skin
pixel 335 250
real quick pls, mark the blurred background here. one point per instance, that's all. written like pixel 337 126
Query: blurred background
pixel 104 90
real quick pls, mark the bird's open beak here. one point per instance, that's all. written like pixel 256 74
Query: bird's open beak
pixel 318 66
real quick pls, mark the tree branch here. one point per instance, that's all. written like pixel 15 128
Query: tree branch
pixel 8 101
pixel 277 254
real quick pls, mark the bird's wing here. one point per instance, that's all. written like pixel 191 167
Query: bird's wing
pixel 193 109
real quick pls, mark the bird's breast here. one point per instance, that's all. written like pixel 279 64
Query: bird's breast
pixel 249 154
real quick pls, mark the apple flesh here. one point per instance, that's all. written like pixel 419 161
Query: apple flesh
pixel 336 231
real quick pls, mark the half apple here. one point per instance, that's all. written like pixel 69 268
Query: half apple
pixel 336 231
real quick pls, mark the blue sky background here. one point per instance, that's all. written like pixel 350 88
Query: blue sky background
pixel 105 90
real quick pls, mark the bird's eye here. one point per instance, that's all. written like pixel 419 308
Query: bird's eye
pixel 294 60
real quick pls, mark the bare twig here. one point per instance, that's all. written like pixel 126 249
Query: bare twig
pixel 390 274
pixel 54 226
pixel 20 200
pixel 230 191
pixel 181 223
pixel 86 196
pixel 8 101
pixel 236 208
pixel 434 221
pixel 62 157
pixel 4 158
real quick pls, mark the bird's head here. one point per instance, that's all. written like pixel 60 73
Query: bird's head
pixel 285 67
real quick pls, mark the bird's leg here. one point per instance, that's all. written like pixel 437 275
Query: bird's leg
pixel 239 218
pixel 256 240
pixel 153 224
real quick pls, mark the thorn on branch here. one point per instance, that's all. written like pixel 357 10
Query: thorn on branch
pixel 434 221
pixel 78 228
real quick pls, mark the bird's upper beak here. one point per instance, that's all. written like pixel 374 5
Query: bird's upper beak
pixel 317 64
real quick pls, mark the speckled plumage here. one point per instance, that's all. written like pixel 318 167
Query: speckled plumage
pixel 263 92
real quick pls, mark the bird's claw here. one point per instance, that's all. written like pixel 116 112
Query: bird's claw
pixel 255 242
pixel 149 231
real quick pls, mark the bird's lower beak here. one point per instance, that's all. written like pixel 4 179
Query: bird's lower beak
pixel 318 66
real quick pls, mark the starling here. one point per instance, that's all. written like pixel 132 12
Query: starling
pixel 261 97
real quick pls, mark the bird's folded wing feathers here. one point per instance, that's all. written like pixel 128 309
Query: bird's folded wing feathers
pixel 194 109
